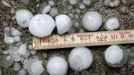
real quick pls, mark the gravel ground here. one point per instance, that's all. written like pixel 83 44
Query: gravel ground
pixel 99 67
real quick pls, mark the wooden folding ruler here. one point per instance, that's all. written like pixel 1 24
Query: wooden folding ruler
pixel 84 39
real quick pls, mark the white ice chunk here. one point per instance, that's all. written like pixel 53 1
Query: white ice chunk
pixel 64 23
pixel 114 55
pixel 23 17
pixel 9 40
pixel 46 9
pixel 16 66
pixel 22 72
pixel 15 32
pixel 41 25
pixel 57 66
pixel 112 23
pixel 92 20
pixel 80 58
pixel 34 66
pixel 87 2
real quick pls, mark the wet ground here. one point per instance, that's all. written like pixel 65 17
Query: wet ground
pixel 99 67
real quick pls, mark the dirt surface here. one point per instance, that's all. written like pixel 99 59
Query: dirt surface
pixel 99 66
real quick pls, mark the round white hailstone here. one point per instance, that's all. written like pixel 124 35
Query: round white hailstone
pixel 22 72
pixel 92 21
pixel 64 23
pixel 72 2
pixel 46 9
pixel 80 58
pixel 54 12
pixel 112 24
pixel 57 66
pixel 87 2
pixel 114 55
pixel 37 68
pixel 41 25
pixel 23 17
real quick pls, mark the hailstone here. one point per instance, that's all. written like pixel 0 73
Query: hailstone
pixel 114 56
pixel 57 66
pixel 92 20
pixel 41 25
pixel 80 58
pixel 112 23
pixel 23 17
pixel 64 23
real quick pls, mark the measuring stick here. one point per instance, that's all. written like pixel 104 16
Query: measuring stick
pixel 84 39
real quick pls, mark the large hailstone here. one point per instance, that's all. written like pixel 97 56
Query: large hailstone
pixel 34 66
pixel 57 66
pixel 115 56
pixel 112 23
pixel 23 17
pixel 41 25
pixel 80 58
pixel 92 20
pixel 64 23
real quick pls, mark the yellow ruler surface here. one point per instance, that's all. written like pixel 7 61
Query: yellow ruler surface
pixel 84 39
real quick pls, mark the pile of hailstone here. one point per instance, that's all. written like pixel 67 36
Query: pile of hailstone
pixel 23 58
